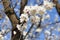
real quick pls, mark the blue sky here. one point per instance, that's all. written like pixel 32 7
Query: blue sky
pixel 52 13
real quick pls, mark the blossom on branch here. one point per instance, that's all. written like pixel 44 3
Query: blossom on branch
pixel 48 5
pixel 24 17
pixel 35 19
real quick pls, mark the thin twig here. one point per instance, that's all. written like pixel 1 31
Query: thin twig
pixel 29 30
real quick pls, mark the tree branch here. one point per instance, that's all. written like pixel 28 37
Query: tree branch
pixel 23 4
pixel 57 6
pixel 11 14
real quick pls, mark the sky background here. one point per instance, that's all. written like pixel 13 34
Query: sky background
pixel 52 13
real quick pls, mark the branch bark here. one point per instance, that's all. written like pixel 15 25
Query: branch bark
pixel 57 6
pixel 23 4
pixel 11 14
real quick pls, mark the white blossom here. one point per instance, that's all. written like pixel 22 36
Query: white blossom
pixel 35 19
pixel 32 19
pixel 32 12
pixel 14 32
pixel 3 31
pixel 26 9
pixel 24 26
pixel 26 39
pixel 21 28
pixel 34 9
pixel 47 32
pixel 1 37
pixel 24 17
pixel 47 16
pixel 38 30
pixel 41 10
pixel 18 26
pixel 43 19
pixel 24 33
pixel 48 5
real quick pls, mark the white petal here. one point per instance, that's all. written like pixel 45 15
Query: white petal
pixel 38 30
pixel 24 33
pixel 47 16
pixel 18 26
pixel 14 32
pixel 47 32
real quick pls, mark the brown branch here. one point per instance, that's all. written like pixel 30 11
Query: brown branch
pixel 57 6
pixel 6 4
pixel 11 14
pixel 23 4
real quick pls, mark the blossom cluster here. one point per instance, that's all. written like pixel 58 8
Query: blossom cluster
pixel 32 10
pixel 34 14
